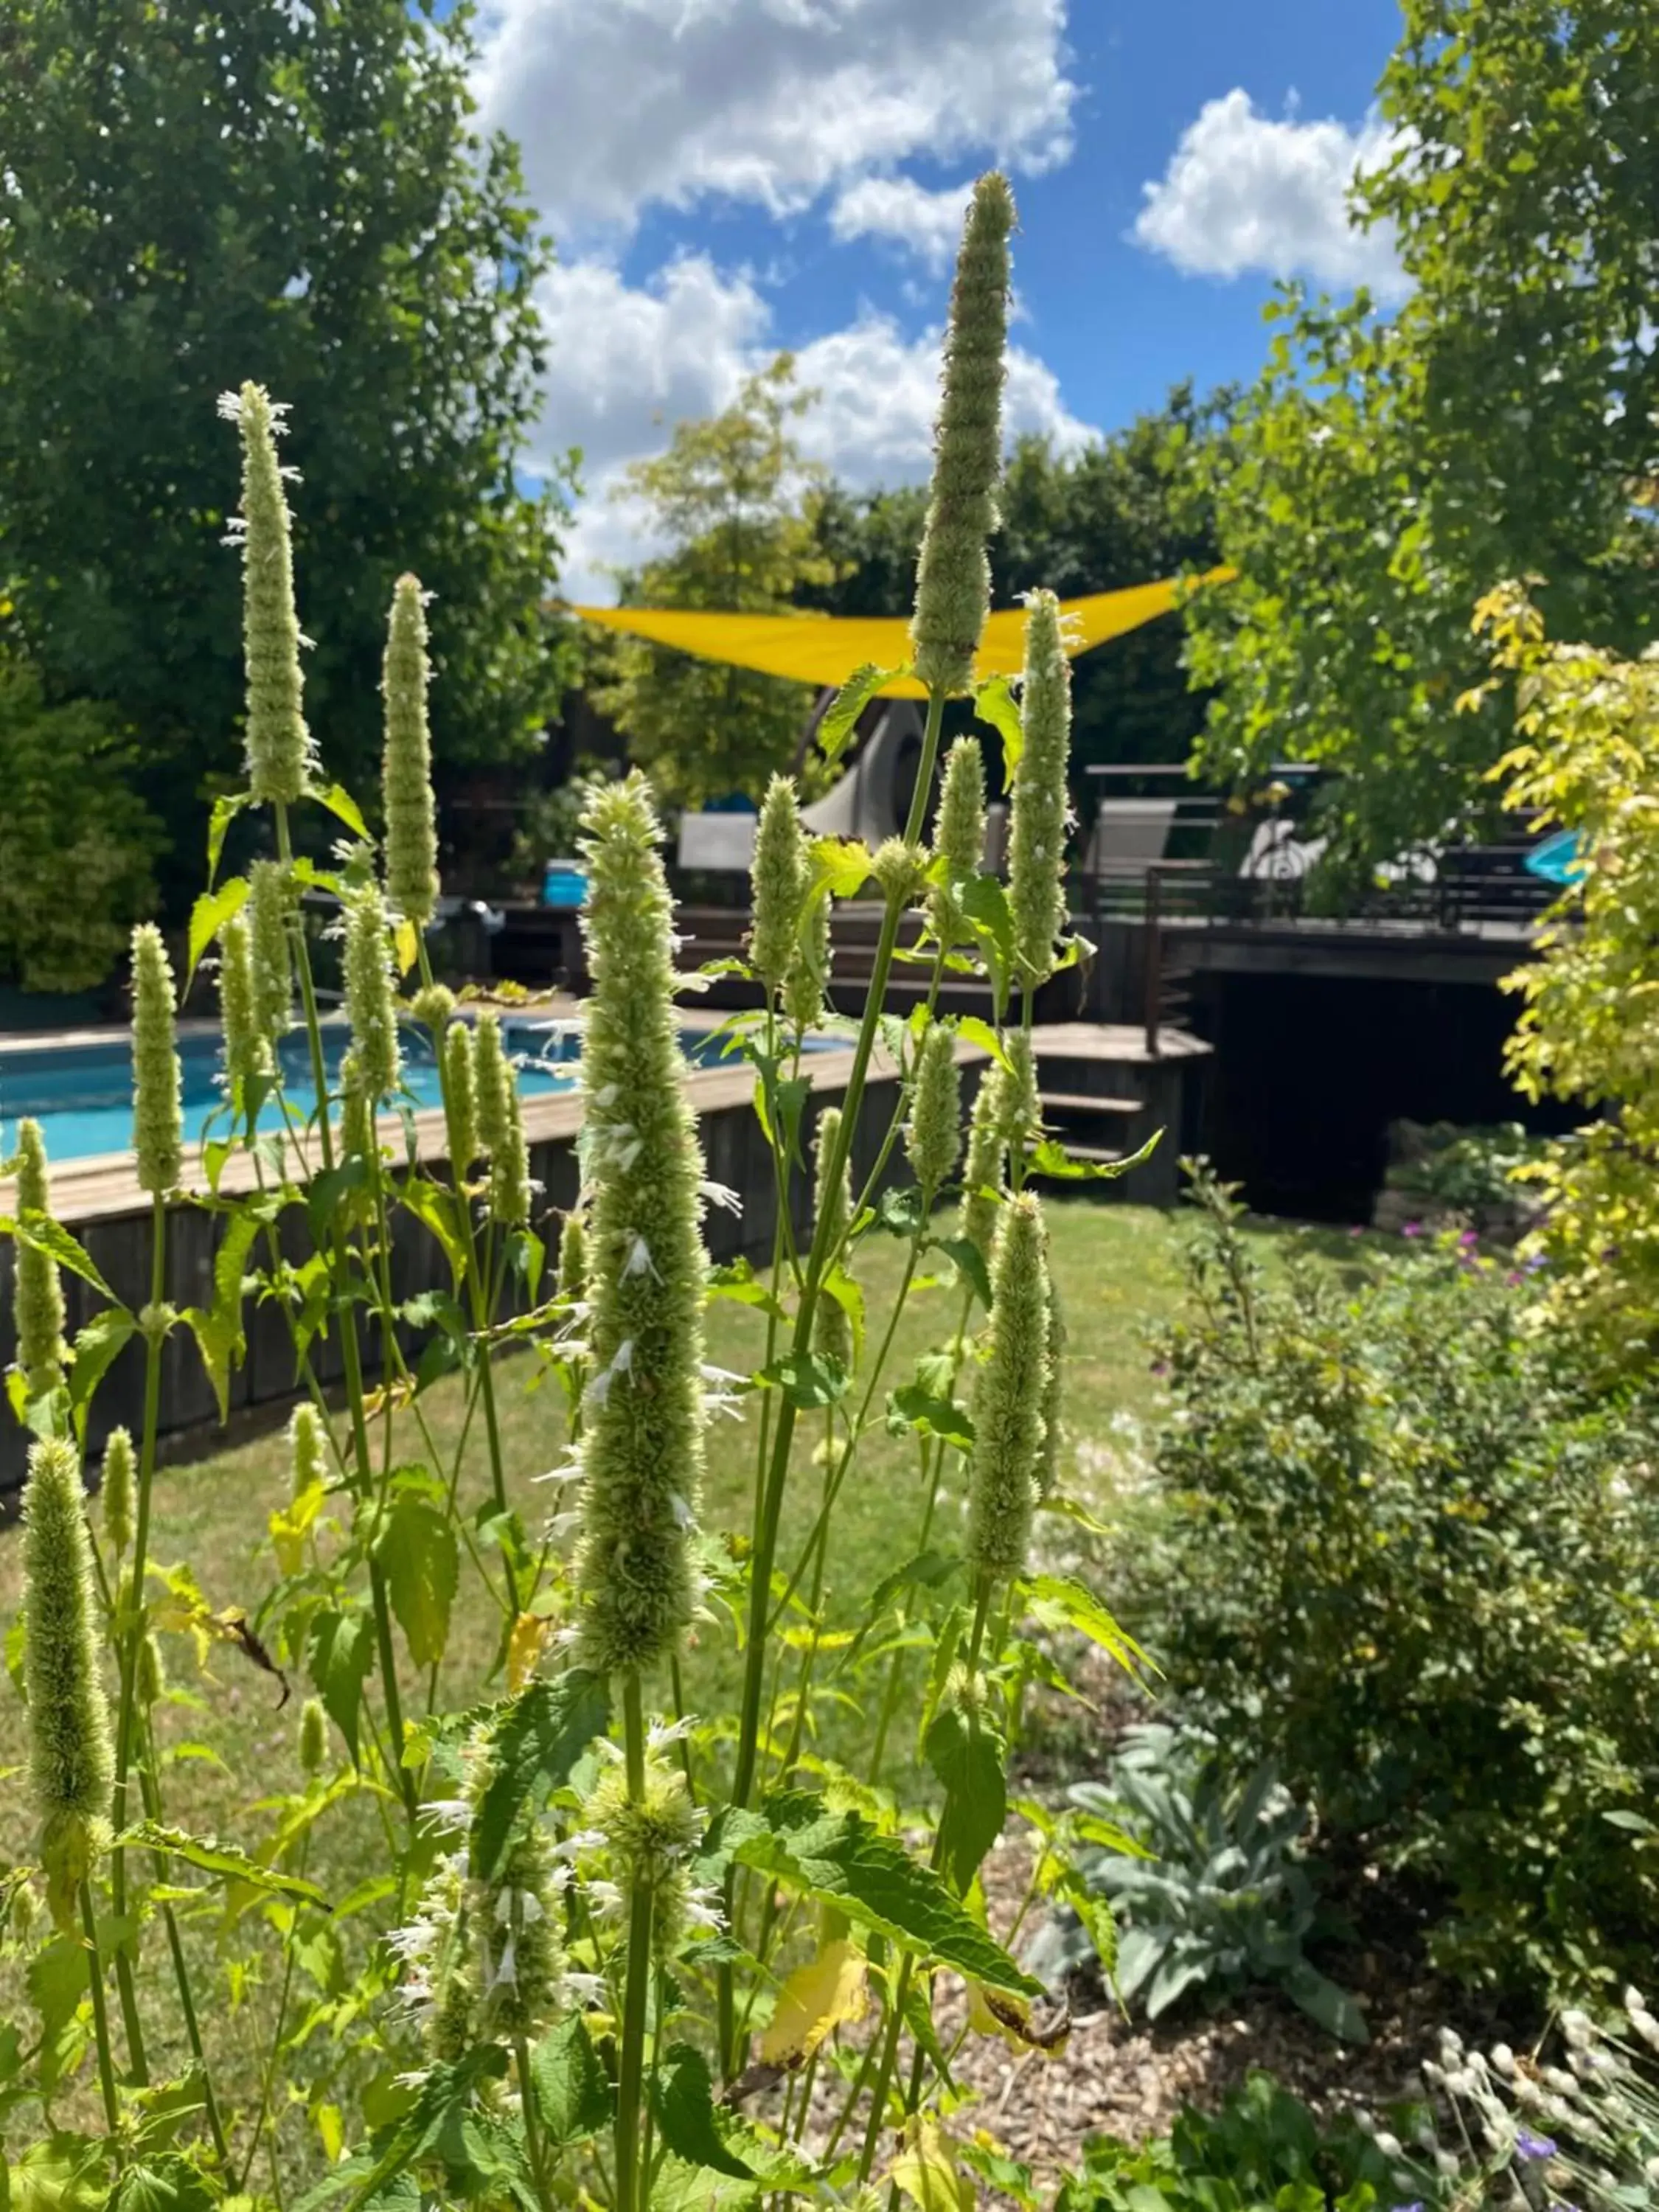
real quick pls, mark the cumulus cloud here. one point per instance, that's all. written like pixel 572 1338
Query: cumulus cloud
pixel 627 362
pixel 928 224
pixel 771 101
pixel 1244 193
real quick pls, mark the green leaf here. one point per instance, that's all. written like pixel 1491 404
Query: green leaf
pixel 420 1559
pixel 95 1347
pixel 208 916
pixel 1062 1602
pixel 850 1297
pixel 573 2092
pixel 535 1744
pixel 219 1332
pixel 446 2093
pixel 163 2183
pixel 994 702
pixel 968 1757
pixel 343 806
pixel 430 1203
pixel 739 1281
pixel 807 1379
pixel 683 2097
pixel 840 865
pixel 984 903
pixel 1052 1158
pixel 42 1234
pixel 973 1031
pixel 926 1571
pixel 850 702
pixel 340 1655
pixel 1335 2011
pixel 912 1406
pixel 228 1860
pixel 226 808
pixel 326 1193
pixel 877 1883
pixel 900 1211
pixel 971 1263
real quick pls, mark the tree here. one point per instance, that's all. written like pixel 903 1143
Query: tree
pixel 201 193
pixel 737 507
pixel 1382 475
pixel 1093 521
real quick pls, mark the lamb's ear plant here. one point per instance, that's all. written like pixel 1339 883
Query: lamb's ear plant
pixel 569 1960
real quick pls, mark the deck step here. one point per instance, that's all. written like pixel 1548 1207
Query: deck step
pixel 1085 1102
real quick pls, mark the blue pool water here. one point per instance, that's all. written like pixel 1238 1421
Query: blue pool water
pixel 82 1093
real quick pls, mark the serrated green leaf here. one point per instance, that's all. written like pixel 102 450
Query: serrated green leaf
pixel 219 1332
pixel 970 1757
pixel 573 2092
pixel 95 1347
pixel 973 1031
pixel 970 1264
pixel 683 2097
pixel 42 1234
pixel 534 1745
pixel 850 702
pixel 807 1379
pixel 877 1883
pixel 437 1208
pixel 994 702
pixel 226 808
pixel 208 916
pixel 343 806
pixel 420 1559
pixel 1052 1158
pixel 912 1406
pixel 340 1654
pixel 1069 1603
pixel 842 866
pixel 229 1861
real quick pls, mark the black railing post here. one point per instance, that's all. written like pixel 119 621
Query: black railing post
pixel 1152 943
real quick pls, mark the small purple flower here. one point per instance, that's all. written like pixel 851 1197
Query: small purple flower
pixel 1412 1229
pixel 1529 2146
pixel 1470 1239
pixel 1159 1367
pixel 1533 1262
pixel 1416 2205
pixel 1358 1230
pixel 1514 1279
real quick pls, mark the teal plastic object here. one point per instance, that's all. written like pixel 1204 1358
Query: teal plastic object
pixel 1558 860
pixel 563 885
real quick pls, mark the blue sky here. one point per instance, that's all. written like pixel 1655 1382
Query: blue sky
pixel 726 177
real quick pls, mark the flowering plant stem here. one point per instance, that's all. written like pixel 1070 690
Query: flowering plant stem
pixel 99 2013
pixel 633 2184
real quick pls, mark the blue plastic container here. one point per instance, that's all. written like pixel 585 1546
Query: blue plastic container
pixel 564 885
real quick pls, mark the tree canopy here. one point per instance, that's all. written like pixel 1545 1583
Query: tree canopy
pixel 1384 473
pixel 205 192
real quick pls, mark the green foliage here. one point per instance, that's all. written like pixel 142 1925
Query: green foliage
pixel 199 195
pixel 69 817
pixel 1383 474
pixel 1225 1898
pixel 1406 1561
pixel 737 504
pixel 1264 2151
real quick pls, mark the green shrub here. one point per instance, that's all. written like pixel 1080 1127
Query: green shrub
pixel 67 820
pixel 1414 1561
pixel 1264 2151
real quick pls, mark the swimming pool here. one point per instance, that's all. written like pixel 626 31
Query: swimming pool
pixel 81 1093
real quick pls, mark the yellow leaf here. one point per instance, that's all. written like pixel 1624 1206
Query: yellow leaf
pixel 818 1998
pixel 524 1649
pixel 925 2172
pixel 993 2012
pixel 407 945
pixel 290 1527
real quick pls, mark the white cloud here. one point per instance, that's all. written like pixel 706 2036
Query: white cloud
pixel 772 101
pixel 628 363
pixel 929 223
pixel 1243 192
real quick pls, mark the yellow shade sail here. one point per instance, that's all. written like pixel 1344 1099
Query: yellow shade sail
pixel 825 649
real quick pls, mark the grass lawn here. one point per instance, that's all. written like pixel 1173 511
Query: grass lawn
pixel 228 1744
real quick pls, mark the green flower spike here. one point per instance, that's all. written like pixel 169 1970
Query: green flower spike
pixel 1003 1467
pixel 492 1085
pixel 39 1289
pixel 521 1961
pixel 958 830
pixel 510 1186
pixel 572 1260
pixel 308 1447
pixel 809 972
pixel 273 974
pixel 247 1048
pixel 953 576
pixel 900 870
pixel 932 1135
pixel 986 1151
pixel 278 743
pixel 460 1103
pixel 313 1736
pixel 1019 1109
pixel 72 1765
pixel 370 997
pixel 157 1116
pixel 411 822
pixel 643 1439
pixel 778 880
pixel 1040 810
pixel 651 1837
pixel 117 1489
pixel 1053 1395
pixel 832 1325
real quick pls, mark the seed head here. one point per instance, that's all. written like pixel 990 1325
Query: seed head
pixel 832 1325
pixel 809 970
pixel 642 1444
pixel 1053 1393
pixel 71 1767
pixel 411 824
pixel 313 1736
pixel 279 756
pixel 268 906
pixel 39 1289
pixel 1003 1466
pixel 1019 1111
pixel 433 1007
pixel 900 870
pixel 308 1447
pixel 116 1491
pixel 958 830
pixel 953 576
pixel 248 1050
pixel 370 999
pixel 572 1260
pixel 157 1117
pixel 651 1837
pixel 460 1105
pixel 492 1084
pixel 778 879
pixel 986 1151
pixel 509 1169
pixel 1041 808
pixel 933 1136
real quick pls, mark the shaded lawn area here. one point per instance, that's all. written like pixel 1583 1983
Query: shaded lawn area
pixel 227 1743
